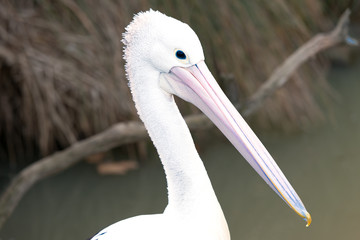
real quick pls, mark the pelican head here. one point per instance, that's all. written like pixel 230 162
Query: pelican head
pixel 161 42
pixel 168 55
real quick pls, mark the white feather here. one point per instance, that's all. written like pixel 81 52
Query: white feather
pixel 193 211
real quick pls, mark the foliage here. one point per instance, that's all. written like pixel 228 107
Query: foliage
pixel 62 76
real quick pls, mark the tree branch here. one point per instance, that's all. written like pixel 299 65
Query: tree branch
pixel 124 133
pixel 283 72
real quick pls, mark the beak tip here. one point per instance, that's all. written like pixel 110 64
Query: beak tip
pixel 308 219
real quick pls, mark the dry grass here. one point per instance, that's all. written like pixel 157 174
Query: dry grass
pixel 62 74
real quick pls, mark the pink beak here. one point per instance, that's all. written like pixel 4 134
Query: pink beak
pixel 196 84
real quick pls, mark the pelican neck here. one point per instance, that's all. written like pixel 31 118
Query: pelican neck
pixel 187 179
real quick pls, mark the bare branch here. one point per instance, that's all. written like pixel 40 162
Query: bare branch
pixel 283 72
pixel 119 134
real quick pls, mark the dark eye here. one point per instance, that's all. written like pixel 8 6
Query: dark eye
pixel 180 55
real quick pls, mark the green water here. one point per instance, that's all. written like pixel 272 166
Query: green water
pixel 323 165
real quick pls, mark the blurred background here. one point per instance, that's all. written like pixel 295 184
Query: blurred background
pixel 62 80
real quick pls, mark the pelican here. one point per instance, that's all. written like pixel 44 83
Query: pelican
pixel 164 57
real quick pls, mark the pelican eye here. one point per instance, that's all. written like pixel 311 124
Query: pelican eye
pixel 180 55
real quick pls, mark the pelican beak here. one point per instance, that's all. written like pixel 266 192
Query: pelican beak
pixel 196 84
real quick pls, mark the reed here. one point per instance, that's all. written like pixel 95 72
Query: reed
pixel 62 76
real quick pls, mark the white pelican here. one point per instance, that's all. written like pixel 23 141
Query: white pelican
pixel 164 57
